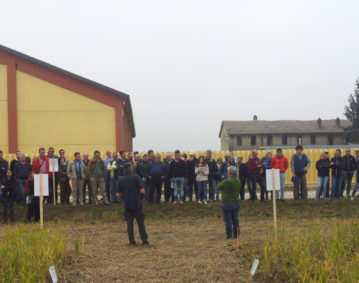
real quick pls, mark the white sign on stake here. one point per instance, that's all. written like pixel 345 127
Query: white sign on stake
pixel 254 267
pixel 54 165
pixel 45 185
pixel 269 179
pixel 53 274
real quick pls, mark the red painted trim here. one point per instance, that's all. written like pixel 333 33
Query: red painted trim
pixel 11 101
pixel 12 106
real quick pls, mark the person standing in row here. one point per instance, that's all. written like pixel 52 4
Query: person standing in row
pixel 349 169
pixel 96 171
pixel 108 159
pixel 300 164
pixel 213 170
pixel 65 188
pixel 242 173
pixel 21 174
pixel 76 171
pixel 336 163
pixel 167 182
pixel 254 171
pixel 130 188
pixel 280 162
pixel 229 161
pixel 322 166
pixel 156 177
pixel 7 186
pixel 143 171
pixel 87 182
pixel 218 175
pixel 267 165
pixel 51 155
pixel 192 183
pixel 177 175
pixel 15 161
pixel 112 168
pixel 4 165
pixel 33 205
pixel 202 172
pixel 230 189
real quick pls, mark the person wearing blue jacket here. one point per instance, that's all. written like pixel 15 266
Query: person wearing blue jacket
pixel 21 172
pixel 300 164
pixel 267 161
pixel 223 171
pixel 156 176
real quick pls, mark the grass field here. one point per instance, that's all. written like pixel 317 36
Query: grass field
pixel 188 243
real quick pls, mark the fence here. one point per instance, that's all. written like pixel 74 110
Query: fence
pixel 313 155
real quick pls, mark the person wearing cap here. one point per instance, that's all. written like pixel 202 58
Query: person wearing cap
pixel 230 190
pixel 177 175
pixel 130 189
pixel 213 169
pixel 300 164
pixel 229 161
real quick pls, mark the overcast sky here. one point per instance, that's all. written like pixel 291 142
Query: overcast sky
pixel 189 64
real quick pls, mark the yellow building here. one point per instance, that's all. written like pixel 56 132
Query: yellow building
pixel 42 105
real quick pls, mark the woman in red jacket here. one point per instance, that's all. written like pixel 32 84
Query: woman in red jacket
pixel 280 162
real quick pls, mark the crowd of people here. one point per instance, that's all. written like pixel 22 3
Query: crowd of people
pixel 184 178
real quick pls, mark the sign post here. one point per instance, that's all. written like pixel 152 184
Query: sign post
pixel 273 184
pixel 41 189
pixel 54 167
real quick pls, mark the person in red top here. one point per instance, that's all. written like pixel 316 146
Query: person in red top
pixel 280 162
pixel 41 165
pixel 254 174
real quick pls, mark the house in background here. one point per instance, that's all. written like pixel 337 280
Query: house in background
pixel 244 135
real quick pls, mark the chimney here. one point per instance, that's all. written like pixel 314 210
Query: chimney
pixel 337 122
pixel 319 123
pixel 255 118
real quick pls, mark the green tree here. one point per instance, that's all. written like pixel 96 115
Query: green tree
pixel 351 112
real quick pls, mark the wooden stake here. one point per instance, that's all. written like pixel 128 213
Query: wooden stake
pixel 237 239
pixel 274 205
pixel 53 180
pixel 41 204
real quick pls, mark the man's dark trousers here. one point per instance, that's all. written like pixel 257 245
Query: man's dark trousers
pixel 139 215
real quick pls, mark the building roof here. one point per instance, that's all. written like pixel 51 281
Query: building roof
pixel 77 77
pixel 283 127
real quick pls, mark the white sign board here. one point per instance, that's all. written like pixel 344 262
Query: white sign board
pixel 54 165
pixel 269 179
pixel 45 185
pixel 254 267
pixel 53 274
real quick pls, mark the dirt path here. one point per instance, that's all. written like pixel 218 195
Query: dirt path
pixel 181 251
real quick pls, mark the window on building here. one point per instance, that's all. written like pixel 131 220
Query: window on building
pixel 270 140
pixel 284 140
pixel 239 140
pixel 299 140
pixel 330 140
pixel 312 139
pixel 253 140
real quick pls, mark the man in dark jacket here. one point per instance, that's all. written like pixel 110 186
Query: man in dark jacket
pixel 192 183
pixel 213 170
pixel 300 164
pixel 14 161
pixel 156 177
pixel 167 182
pixel 4 165
pixel 336 163
pixel 22 172
pixel 254 171
pixel 143 171
pixel 178 172
pixel 130 188
pixel 349 169
pixel 120 162
pixel 242 174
